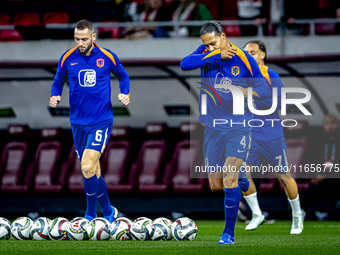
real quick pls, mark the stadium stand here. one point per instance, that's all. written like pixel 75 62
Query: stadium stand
pixel 10 35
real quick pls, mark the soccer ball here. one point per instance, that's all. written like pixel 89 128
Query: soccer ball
pixel 184 229
pixel 141 229
pixel 161 229
pixel 21 228
pixel 144 218
pixel 99 229
pixel 39 230
pixel 5 229
pixel 77 229
pixel 57 229
pixel 120 230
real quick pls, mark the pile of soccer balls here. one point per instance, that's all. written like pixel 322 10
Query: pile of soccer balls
pixel 121 229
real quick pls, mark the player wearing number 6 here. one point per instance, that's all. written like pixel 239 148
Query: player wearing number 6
pixel 87 68
pixel 269 147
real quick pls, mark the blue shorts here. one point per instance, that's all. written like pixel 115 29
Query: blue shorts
pixel 221 144
pixel 273 153
pixel 93 137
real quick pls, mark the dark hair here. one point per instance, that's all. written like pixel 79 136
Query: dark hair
pixel 83 24
pixel 262 47
pixel 212 26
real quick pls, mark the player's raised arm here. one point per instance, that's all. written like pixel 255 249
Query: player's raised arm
pixel 124 80
pixel 58 83
pixel 199 58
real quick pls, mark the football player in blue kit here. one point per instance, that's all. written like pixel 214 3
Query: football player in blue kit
pixel 225 145
pixel 269 147
pixel 88 67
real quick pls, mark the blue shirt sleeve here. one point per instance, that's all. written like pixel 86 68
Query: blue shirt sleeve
pixel 59 79
pixel 198 58
pixel 257 81
pixel 276 83
pixel 121 74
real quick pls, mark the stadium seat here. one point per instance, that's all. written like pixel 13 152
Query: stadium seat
pixel 76 178
pixel 296 148
pixel 27 19
pixel 267 182
pixel 45 163
pixel 10 35
pixel 232 30
pixel 56 18
pixel 4 19
pixel 182 166
pixel 114 165
pixel 148 167
pixel 13 158
pixel 108 32
pixel 12 167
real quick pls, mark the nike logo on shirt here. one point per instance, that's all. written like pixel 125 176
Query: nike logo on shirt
pixel 95 144
pixel 72 64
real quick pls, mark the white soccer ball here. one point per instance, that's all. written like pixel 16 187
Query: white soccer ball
pixel 161 229
pixel 77 229
pixel 184 229
pixel 120 229
pixel 141 229
pixel 144 218
pixel 99 229
pixel 39 230
pixel 57 229
pixel 21 228
pixel 5 229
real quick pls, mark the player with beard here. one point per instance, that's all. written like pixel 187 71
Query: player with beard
pixel 87 67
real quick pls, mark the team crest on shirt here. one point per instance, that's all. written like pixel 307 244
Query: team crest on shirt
pixel 235 70
pixel 87 77
pixel 100 62
pixel 221 80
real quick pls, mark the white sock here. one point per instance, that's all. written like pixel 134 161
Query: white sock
pixel 295 204
pixel 253 203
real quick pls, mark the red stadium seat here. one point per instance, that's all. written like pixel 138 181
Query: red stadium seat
pixel 148 167
pixel 4 19
pixel 114 165
pixel 11 35
pixel 27 19
pixel 12 165
pixel 232 30
pixel 268 182
pixel 76 178
pixel 182 166
pixel 56 18
pixel 108 32
pixel 45 163
pixel 13 158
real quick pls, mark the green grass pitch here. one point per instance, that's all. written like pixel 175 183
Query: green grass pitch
pixel 317 238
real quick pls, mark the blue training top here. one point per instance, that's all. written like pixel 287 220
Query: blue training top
pixel 241 70
pixel 89 81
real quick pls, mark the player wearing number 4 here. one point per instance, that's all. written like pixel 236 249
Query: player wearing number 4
pixel 269 147
pixel 225 68
pixel 88 69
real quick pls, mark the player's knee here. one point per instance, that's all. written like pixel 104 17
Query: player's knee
pixel 216 187
pixel 284 181
pixel 88 170
pixel 230 183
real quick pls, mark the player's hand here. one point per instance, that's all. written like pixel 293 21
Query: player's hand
pixel 244 91
pixel 124 99
pixel 228 52
pixel 54 101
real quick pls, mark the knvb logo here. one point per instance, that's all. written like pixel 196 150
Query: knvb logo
pixel 238 99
